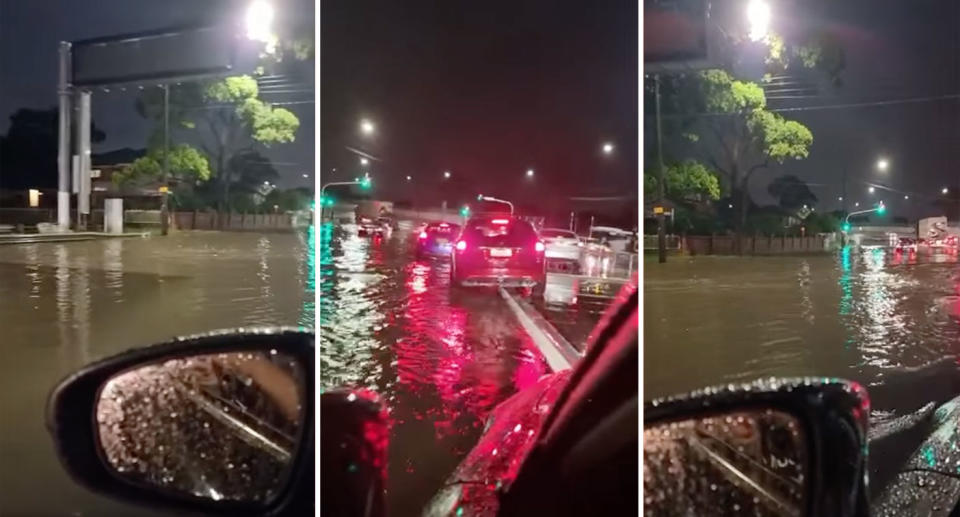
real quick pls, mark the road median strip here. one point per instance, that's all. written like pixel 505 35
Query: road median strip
pixel 557 351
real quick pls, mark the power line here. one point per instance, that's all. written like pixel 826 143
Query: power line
pixel 891 102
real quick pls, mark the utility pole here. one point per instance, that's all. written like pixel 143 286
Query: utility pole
pixel 165 188
pixel 661 230
pixel 63 140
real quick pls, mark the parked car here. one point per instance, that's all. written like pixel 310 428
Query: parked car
pixel 436 239
pixel 498 250
pixel 616 238
pixel 561 244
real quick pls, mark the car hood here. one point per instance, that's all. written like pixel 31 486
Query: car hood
pixel 511 432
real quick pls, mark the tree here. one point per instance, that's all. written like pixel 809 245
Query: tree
pixel 791 193
pixel 185 165
pixel 686 181
pixel 746 137
pixel 228 119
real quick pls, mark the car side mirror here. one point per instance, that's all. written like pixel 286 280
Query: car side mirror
pixel 219 424
pixel 775 447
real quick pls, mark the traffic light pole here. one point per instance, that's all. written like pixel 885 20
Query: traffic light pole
pixel 661 225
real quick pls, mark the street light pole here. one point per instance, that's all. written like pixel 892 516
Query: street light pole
pixel 495 200
pixel 661 230
pixel 63 140
pixel 165 194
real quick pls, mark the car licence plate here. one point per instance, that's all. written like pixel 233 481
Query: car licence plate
pixel 501 252
pixel 442 241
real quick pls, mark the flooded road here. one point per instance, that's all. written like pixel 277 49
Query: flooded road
pixel 890 321
pixel 441 362
pixel 64 305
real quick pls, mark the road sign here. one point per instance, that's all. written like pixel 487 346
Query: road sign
pixel 658 209
pixel 164 189
pixel 155 55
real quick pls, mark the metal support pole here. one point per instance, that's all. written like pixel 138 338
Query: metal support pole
pixel 82 151
pixel 165 194
pixel 63 140
pixel 661 225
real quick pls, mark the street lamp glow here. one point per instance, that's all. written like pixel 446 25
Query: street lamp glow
pixel 758 16
pixel 882 164
pixel 944 191
pixel 906 197
pixel 446 175
pixel 259 21
pixel 409 178
pixel 856 204
pixel 607 148
pixel 306 175
pixel 366 127
pixel 364 161
pixel 529 173
pixel 840 198
pixel 871 189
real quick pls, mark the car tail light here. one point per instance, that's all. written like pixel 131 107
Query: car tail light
pixel 461 245
pixel 539 247
pixel 423 235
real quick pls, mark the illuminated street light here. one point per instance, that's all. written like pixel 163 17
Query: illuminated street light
pixel 607 148
pixel 409 178
pixel 840 198
pixel 945 190
pixel 446 175
pixel 906 197
pixel 529 173
pixel 871 190
pixel 856 204
pixel 366 127
pixel 306 175
pixel 259 21
pixel 364 161
pixel 882 164
pixel 758 16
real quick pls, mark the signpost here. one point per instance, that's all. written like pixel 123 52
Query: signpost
pixel 155 58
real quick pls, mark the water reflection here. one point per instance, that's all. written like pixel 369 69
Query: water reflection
pixel 441 360
pixel 877 312
pixel 59 310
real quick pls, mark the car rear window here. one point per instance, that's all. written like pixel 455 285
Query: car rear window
pixel 490 233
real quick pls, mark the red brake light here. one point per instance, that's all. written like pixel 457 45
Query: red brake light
pixel 423 235
pixel 500 221
pixel 461 245
pixel 539 247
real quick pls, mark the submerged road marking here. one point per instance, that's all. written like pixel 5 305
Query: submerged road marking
pixel 558 352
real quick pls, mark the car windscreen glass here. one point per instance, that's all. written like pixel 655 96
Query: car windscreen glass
pixel 490 233
pixel 550 234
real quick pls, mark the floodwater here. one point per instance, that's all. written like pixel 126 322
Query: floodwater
pixel 888 320
pixel 63 305
pixel 441 362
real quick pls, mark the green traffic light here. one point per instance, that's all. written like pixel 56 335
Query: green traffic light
pixel 465 211
pixel 846 227
pixel 881 209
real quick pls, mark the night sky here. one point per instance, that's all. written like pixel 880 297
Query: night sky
pixel 895 50
pixel 30 32
pixel 485 90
